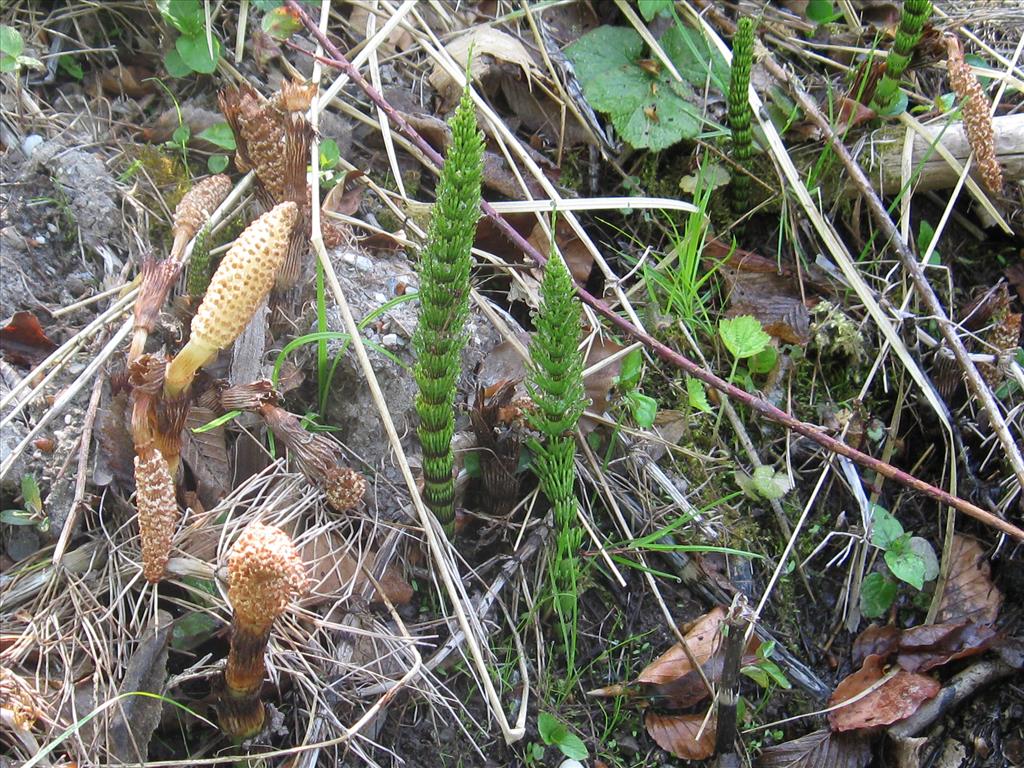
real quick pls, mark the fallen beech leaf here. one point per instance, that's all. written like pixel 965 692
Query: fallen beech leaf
pixel 345 197
pixel 114 449
pixel 504 364
pixel 206 454
pixel 23 341
pixel 756 286
pixel 678 734
pixel 334 569
pixel 578 258
pixel 1015 274
pixel 488 45
pixel 128 79
pixel 876 640
pixel 818 749
pixel 970 594
pixel 851 114
pixel 926 647
pixel 703 638
pixel 897 699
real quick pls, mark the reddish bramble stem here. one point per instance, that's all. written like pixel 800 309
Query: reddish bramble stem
pixel 666 353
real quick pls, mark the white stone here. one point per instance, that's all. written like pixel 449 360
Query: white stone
pixel 391 340
pixel 30 142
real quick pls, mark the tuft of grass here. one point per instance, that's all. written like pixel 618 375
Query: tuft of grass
pixel 440 335
pixel 555 383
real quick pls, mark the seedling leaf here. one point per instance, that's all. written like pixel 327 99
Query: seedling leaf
pixel 696 395
pixel 743 336
pixel 924 549
pixel 220 135
pixel 196 54
pixel 644 409
pixel 876 595
pixel 651 8
pixel 905 564
pixel 885 528
pixel 554 733
pixel 765 483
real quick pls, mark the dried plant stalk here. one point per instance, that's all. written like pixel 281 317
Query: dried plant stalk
pixel 243 279
pixel 977 112
pixel 265 575
pixel 158 511
pixel 314 454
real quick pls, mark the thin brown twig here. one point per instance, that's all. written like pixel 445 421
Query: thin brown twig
pixel 666 353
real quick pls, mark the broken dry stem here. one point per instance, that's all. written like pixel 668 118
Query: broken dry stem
pixel 669 355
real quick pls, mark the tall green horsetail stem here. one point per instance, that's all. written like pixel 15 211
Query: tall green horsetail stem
pixel 440 335
pixel 555 383
pixel 739 111
pixel 912 20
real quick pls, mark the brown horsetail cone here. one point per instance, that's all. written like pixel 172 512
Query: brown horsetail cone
pixel 243 279
pixel 195 210
pixel 977 111
pixel 158 511
pixel 265 574
pixel 344 488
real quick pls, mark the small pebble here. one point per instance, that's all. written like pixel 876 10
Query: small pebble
pixel 67 419
pixel 363 264
pixel 28 146
pixel 391 340
pixel 570 763
pixel 380 298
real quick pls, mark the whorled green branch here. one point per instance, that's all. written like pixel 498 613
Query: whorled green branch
pixel 555 383
pixel 739 110
pixel 912 20
pixel 440 335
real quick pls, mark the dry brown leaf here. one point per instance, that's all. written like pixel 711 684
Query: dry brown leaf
pixel 897 699
pixel 206 454
pixel 757 286
pixel 817 750
pixel 127 79
pixel 970 594
pixel 23 341
pixel 332 566
pixel 927 647
pixel 876 640
pixel 345 197
pixel 578 258
pixel 678 734
pixel 703 638
pixel 489 47
pixel 399 39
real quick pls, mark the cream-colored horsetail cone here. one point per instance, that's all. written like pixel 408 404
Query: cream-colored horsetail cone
pixel 158 511
pixel 265 574
pixel 243 279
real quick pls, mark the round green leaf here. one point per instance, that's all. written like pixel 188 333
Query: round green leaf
pixel 924 548
pixel 219 134
pixel 181 134
pixel 217 163
pixel 877 594
pixel 696 395
pixel 743 336
pixel 906 565
pixel 196 54
pixel 885 529
pixel 175 66
pixel 644 409
pixel 11 43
